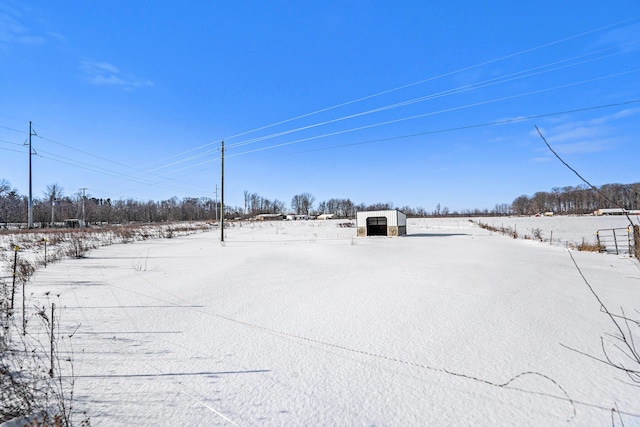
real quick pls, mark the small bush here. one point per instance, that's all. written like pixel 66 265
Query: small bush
pixel 589 247
pixel 537 234
pixel 78 247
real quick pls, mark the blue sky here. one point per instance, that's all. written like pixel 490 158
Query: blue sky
pixel 414 103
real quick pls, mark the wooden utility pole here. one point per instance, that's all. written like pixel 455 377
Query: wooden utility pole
pixel 30 221
pixel 222 196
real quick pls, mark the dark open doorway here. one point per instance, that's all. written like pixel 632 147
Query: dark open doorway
pixel 377 226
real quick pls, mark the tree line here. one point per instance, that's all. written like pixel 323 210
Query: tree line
pixel 580 199
pixel 54 206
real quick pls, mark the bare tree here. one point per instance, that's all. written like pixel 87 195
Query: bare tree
pixel 302 203
pixel 10 203
pixel 53 193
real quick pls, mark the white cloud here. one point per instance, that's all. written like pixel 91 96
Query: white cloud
pixel 573 132
pixel 626 113
pixel 584 146
pixel 12 31
pixel 106 74
pixel 624 38
pixel 586 136
pixel 541 159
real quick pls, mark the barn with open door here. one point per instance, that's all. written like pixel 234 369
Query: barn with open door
pixel 381 223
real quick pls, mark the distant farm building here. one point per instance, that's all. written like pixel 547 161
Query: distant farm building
pixel 294 217
pixel 325 216
pixel 270 217
pixel 381 223
pixel 616 211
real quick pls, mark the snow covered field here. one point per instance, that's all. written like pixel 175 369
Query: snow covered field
pixel 302 323
pixel 564 229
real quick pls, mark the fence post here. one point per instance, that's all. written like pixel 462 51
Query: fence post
pixel 615 240
pixel 15 266
pixel 53 307
pixel 636 240
pixel 45 251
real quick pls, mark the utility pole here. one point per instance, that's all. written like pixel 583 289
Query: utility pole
pixel 30 221
pixel 84 224
pixel 222 195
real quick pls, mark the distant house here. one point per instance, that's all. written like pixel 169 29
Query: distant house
pixel 381 223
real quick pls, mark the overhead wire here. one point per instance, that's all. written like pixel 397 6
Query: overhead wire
pixel 92 167
pixel 545 68
pixel 429 114
pixel 10 149
pixel 103 158
pixel 13 129
pixel 147 183
pixel 626 21
pixel 462 89
pixel 451 129
pixel 472 126
pixel 490 82
pixel 463 69
pixel 11 142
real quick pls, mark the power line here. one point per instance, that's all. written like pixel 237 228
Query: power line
pixel 105 159
pixel 462 89
pixel 398 88
pixel 103 171
pixel 432 113
pixel 15 130
pixel 453 129
pixel 487 83
pixel 147 183
pixel 10 149
pixel 591 56
pixel 445 130
pixel 11 142
pixel 626 21
pixel 94 168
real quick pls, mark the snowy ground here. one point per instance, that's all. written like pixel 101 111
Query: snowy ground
pixel 564 230
pixel 302 323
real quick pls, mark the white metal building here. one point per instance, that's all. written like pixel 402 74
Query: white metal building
pixel 381 223
pixel 616 211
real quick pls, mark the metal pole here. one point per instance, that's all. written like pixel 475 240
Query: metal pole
pixel 222 196
pixel 15 266
pixel 30 209
pixel 83 197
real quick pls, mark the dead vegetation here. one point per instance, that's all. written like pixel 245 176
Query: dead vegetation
pixel 37 382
